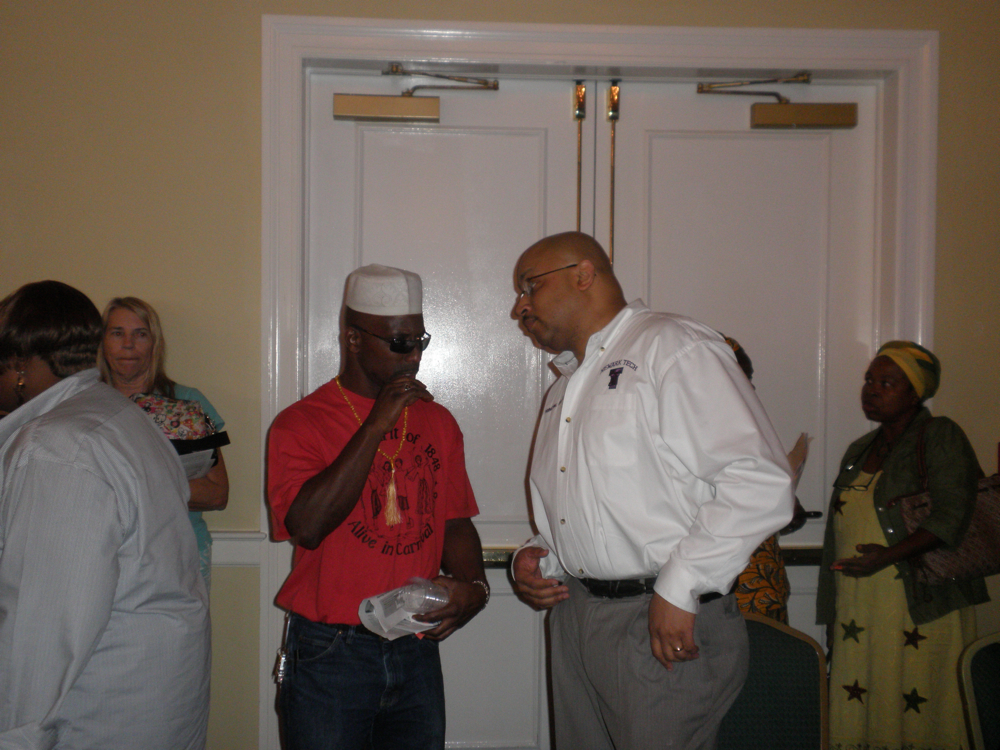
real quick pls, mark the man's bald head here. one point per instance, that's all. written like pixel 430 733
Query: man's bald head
pixel 567 291
pixel 572 247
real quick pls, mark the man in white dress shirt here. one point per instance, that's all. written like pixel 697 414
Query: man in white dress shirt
pixel 655 474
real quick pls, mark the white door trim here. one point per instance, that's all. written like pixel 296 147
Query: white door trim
pixel 903 63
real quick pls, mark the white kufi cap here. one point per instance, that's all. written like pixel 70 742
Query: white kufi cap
pixel 381 290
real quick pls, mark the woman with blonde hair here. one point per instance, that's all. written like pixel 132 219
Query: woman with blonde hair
pixel 131 358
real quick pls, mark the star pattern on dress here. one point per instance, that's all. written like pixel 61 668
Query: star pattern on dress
pixel 913 700
pixel 913 638
pixel 838 506
pixel 855 691
pixel 852 630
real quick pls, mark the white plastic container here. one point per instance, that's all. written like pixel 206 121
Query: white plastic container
pixel 421 596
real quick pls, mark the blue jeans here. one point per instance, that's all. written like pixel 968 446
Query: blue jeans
pixel 348 689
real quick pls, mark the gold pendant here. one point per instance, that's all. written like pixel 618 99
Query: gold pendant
pixel 392 515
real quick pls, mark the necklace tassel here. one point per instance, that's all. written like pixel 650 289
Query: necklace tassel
pixel 392 514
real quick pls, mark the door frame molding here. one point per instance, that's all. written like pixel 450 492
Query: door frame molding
pixel 903 64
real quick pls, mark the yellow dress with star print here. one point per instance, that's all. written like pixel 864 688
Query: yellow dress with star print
pixel 893 685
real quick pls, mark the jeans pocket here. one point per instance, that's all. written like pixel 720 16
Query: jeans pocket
pixel 310 648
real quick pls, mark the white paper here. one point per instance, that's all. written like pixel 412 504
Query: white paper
pixel 197 464
pixel 385 615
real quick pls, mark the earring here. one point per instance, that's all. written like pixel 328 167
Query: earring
pixel 19 388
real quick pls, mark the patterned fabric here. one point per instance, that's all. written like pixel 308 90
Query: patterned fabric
pixel 893 684
pixel 920 366
pixel 177 419
pixel 762 588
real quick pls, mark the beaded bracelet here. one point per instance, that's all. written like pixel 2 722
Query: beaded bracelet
pixel 486 588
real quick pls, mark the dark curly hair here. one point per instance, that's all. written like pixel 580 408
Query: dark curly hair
pixel 53 321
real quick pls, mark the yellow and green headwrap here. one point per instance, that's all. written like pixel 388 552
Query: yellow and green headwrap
pixel 920 366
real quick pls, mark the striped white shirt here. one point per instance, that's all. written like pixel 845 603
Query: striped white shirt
pixel 104 629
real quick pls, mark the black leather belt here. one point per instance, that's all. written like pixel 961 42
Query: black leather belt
pixel 336 627
pixel 632 587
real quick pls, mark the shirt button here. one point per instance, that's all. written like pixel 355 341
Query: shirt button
pixel 562 520
pixel 889 530
pixel 569 419
pixel 602 348
pixel 581 571
pixel 562 468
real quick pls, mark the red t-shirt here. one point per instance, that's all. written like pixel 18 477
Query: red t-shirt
pixel 364 556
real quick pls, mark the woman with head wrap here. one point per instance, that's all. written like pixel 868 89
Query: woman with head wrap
pixel 895 640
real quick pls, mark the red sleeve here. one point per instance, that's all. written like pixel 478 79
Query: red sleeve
pixel 295 454
pixel 461 501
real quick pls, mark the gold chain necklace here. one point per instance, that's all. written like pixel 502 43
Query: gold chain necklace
pixel 392 514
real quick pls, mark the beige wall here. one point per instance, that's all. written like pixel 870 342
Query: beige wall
pixel 130 164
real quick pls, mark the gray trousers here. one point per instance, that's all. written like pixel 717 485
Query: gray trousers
pixel 610 693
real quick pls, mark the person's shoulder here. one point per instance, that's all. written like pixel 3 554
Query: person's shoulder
pixel 679 326
pixel 672 335
pixel 187 393
pixel 86 412
pixel 945 430
pixel 97 421
pixel 435 413
pixel 435 409
pixel 314 408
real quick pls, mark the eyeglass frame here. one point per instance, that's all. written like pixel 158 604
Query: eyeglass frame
pixel 850 466
pixel 398 344
pixel 855 487
pixel 528 292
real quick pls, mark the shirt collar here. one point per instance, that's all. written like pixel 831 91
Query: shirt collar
pixel 566 362
pixel 46 401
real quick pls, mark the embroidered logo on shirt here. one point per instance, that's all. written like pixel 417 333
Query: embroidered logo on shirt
pixel 616 369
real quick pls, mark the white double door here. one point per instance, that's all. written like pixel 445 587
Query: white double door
pixel 766 236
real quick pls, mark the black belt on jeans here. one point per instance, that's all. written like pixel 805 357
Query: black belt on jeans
pixel 341 628
pixel 632 587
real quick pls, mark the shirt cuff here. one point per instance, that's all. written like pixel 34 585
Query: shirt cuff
pixel 677 587
pixel 548 566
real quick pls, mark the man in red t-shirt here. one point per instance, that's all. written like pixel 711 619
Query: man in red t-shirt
pixel 366 475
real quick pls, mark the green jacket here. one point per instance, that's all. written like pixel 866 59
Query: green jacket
pixel 952 479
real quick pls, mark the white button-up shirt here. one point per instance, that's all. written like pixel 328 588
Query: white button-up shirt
pixel 655 458
pixel 104 629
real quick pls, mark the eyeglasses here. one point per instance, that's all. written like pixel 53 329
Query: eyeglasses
pixel 399 345
pixel 528 288
pixel 855 487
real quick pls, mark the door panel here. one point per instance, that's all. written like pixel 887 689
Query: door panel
pixel 456 203
pixel 494 671
pixel 768 236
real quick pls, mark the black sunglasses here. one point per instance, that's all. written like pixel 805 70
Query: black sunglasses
pixel 401 345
